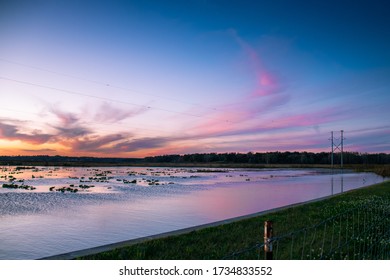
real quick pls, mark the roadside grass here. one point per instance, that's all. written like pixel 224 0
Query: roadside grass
pixel 223 241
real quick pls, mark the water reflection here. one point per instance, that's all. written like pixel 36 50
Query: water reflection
pixel 160 200
pixel 341 177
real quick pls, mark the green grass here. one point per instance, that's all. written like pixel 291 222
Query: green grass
pixel 221 241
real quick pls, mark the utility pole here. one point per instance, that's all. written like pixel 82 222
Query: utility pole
pixel 342 148
pixel 331 159
pixel 335 147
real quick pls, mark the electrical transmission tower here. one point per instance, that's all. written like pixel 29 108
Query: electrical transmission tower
pixel 337 144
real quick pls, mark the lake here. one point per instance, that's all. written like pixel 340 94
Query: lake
pixel 53 210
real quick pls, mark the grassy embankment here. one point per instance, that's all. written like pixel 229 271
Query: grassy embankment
pixel 220 241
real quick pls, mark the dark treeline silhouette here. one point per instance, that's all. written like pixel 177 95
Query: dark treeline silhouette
pixel 232 158
pixel 274 158
pixel 64 161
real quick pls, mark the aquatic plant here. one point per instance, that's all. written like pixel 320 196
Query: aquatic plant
pixel 15 186
pixel 86 186
pixel 67 189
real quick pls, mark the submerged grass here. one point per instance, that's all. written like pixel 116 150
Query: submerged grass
pixel 380 169
pixel 221 241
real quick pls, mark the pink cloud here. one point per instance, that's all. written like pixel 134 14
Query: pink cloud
pixel 93 143
pixel 268 84
pixel 246 123
pixel 11 132
pixel 222 121
pixel 65 118
pixel 239 116
pixel 267 81
pixel 109 113
pixel 289 122
pixel 307 119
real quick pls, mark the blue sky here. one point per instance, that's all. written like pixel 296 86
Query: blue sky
pixel 140 78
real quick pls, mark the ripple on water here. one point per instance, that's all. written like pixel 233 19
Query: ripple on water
pixel 33 203
pixel 16 203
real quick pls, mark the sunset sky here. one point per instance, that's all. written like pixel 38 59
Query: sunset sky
pixel 142 78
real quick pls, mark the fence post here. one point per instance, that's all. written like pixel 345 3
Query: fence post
pixel 268 230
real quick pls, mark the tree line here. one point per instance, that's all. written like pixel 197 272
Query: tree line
pixel 245 158
pixel 273 158
pixel 45 160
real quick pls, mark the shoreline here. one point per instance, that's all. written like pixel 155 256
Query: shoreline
pixel 180 232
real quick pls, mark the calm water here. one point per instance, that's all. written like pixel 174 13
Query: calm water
pixel 121 203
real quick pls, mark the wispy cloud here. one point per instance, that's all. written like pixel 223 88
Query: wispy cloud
pixel 266 96
pixel 95 143
pixel 368 139
pixel 65 118
pixel 70 124
pixel 106 112
pixel 268 82
pixel 71 132
pixel 142 143
pixel 12 133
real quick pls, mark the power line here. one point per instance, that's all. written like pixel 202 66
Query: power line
pixel 105 84
pixel 104 98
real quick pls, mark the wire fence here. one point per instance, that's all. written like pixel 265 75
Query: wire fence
pixel 360 233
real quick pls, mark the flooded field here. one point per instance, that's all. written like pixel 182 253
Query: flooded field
pixel 53 210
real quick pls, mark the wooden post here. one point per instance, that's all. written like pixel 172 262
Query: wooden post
pixel 268 232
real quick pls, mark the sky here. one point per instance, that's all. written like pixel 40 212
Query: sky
pixel 143 78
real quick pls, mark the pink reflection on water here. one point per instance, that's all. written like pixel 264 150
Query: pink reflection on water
pixel 238 199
